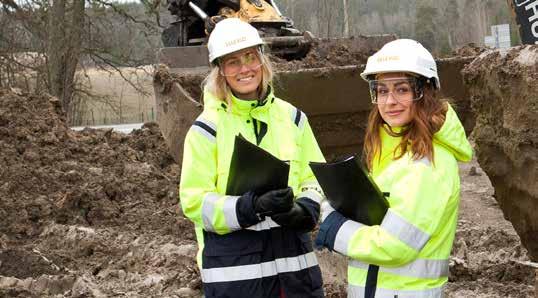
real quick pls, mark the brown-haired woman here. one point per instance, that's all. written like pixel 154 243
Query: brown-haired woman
pixel 412 145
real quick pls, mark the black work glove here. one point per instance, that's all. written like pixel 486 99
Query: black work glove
pixel 211 22
pixel 297 218
pixel 252 209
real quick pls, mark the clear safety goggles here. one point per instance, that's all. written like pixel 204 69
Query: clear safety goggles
pixel 403 89
pixel 232 66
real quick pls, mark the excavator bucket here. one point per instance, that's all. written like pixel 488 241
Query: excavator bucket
pixel 334 97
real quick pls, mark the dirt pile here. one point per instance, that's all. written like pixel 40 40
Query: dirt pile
pixel 87 214
pixel 335 52
pixel 469 50
pixel 504 96
pixel 488 259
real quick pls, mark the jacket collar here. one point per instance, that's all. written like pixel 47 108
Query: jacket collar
pixel 240 106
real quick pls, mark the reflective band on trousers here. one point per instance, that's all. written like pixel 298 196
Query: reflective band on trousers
pixel 272 268
pixel 358 292
pixel 419 268
pixel 404 230
pixel 208 211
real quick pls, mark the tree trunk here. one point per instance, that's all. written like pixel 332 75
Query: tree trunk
pixel 346 19
pixel 56 48
pixel 64 47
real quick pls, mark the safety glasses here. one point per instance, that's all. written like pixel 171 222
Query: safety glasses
pixel 232 66
pixel 403 89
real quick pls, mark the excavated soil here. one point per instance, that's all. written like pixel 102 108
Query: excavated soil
pixel 88 214
pixel 95 214
pixel 504 96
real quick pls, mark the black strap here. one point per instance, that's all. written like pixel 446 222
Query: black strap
pixel 205 127
pixel 261 133
pixel 371 281
pixel 297 116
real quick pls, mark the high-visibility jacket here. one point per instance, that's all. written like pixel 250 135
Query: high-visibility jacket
pixel 411 247
pixel 263 260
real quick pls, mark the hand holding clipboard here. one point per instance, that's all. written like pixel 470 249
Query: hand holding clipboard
pixel 351 191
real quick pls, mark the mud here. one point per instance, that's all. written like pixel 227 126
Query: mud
pixel 88 214
pixel 335 52
pixel 95 214
pixel 505 98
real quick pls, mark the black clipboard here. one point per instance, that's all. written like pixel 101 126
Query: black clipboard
pixel 351 191
pixel 254 169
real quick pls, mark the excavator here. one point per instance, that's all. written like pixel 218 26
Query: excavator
pixel 194 17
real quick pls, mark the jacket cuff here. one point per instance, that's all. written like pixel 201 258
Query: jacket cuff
pixel 246 215
pixel 329 229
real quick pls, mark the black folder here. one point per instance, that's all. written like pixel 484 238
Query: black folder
pixel 351 191
pixel 254 169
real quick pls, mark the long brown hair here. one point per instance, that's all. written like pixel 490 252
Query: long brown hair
pixel 428 115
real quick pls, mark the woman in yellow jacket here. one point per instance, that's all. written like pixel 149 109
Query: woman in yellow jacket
pixel 257 244
pixel 412 145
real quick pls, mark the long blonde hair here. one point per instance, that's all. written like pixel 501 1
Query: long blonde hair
pixel 417 137
pixel 216 84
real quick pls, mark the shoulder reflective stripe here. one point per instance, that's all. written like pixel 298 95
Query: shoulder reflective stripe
pixel 404 230
pixel 298 118
pixel 420 268
pixel 267 224
pixel 344 234
pixel 208 210
pixel 271 268
pixel 230 214
pixel 206 128
pixel 358 292
pixel 311 194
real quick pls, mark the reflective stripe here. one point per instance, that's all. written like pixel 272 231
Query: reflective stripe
pixel 267 224
pixel 230 214
pixel 358 292
pixel 271 268
pixel 208 211
pixel 311 194
pixel 298 118
pixel 419 268
pixel 404 230
pixel 344 234
pixel 206 128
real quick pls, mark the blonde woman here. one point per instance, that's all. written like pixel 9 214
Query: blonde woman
pixel 256 244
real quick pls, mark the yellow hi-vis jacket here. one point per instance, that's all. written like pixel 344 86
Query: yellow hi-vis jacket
pixel 263 260
pixel 412 245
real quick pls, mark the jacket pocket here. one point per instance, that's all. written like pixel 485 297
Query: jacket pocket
pixel 242 242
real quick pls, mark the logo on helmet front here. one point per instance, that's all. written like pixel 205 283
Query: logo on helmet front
pixel 388 58
pixel 235 41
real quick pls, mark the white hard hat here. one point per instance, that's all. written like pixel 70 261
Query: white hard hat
pixel 231 35
pixel 403 55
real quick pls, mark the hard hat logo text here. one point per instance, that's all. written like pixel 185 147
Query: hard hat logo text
pixel 235 41
pixel 388 58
